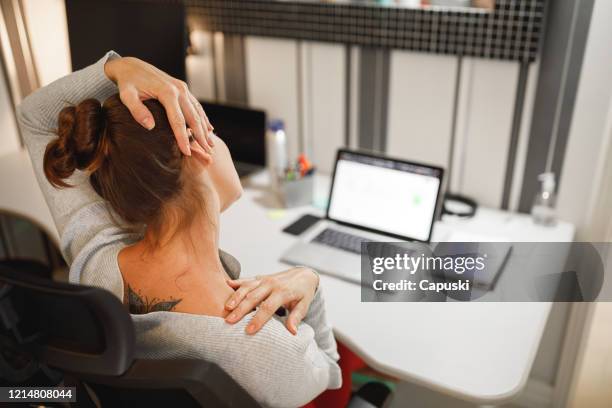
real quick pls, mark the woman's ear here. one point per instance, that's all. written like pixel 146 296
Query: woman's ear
pixel 199 154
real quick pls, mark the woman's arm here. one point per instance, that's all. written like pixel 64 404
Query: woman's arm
pixel 323 332
pixel 84 224
pixel 38 115
pixel 87 231
pixel 281 369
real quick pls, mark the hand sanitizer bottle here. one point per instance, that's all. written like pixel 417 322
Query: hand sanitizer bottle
pixel 543 210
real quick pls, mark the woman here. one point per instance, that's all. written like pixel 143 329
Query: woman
pixel 141 219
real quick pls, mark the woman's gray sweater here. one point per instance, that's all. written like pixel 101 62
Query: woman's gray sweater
pixel 274 366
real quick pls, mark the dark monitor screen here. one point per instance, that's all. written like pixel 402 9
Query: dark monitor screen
pixel 152 31
pixel 242 129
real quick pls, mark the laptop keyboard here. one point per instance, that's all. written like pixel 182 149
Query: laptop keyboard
pixel 352 243
pixel 341 240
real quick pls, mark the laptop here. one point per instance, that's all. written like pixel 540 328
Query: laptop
pixel 244 132
pixel 372 198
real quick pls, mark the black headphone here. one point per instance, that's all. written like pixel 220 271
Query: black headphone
pixel 458 205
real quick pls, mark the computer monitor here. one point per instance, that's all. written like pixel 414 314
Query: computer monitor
pixel 389 196
pixel 153 31
pixel 242 129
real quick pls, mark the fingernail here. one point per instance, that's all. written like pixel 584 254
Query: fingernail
pixel 250 328
pixel 231 304
pixel 231 317
pixel 148 123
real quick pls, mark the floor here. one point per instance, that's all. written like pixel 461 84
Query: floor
pixel 413 396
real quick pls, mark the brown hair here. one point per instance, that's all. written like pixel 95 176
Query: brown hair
pixel 137 171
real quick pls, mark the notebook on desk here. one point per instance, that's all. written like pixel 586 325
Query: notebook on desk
pixel 494 257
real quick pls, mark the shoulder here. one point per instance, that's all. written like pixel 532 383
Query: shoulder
pixel 92 250
pixel 273 350
pixel 274 366
pixel 181 328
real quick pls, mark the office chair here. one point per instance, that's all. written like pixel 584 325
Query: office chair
pixel 57 333
pixel 54 333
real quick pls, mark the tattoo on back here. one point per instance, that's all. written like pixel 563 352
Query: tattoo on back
pixel 139 304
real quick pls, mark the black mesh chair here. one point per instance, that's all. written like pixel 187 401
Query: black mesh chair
pixel 55 333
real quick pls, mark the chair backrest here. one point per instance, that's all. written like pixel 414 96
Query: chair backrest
pixel 72 328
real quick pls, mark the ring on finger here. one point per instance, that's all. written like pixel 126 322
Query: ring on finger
pixel 190 135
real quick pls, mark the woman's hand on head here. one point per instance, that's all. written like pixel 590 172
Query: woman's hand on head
pixel 138 81
pixel 293 289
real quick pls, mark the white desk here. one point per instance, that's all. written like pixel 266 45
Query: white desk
pixel 481 352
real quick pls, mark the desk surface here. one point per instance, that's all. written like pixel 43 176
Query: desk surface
pixel 476 351
pixel 481 352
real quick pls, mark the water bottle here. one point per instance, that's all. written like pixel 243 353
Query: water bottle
pixel 276 145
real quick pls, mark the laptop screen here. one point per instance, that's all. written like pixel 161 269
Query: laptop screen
pixel 385 195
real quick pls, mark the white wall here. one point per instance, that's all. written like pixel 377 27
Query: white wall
pixel 583 157
pixel 421 106
pixel 523 137
pixel 200 66
pixel 9 139
pixel 487 95
pixel 421 103
pixel 601 221
pixel 323 101
pixel 588 157
pixel 272 82
pixel 48 31
pixel 592 385
pixel 304 83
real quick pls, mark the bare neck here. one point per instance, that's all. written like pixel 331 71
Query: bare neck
pixel 194 249
pixel 183 267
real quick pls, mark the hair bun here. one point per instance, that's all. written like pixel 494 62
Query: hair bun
pixel 80 143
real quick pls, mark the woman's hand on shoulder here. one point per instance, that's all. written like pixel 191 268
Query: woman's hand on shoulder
pixel 293 289
pixel 138 81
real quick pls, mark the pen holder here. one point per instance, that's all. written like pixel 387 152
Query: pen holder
pixel 295 193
